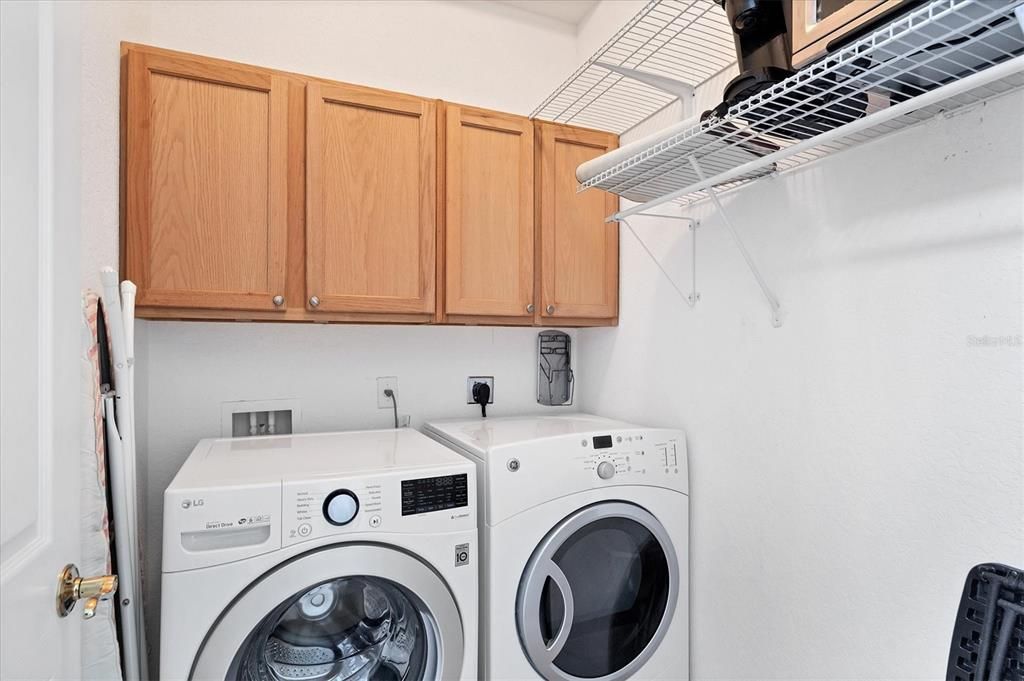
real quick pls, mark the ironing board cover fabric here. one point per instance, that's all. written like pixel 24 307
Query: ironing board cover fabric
pixel 99 638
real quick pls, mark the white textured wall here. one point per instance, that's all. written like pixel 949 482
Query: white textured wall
pixel 848 468
pixel 479 53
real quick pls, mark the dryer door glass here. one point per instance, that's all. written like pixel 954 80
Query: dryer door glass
pixel 598 594
pixel 353 628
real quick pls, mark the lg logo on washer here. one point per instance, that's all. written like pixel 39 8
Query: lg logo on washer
pixel 189 503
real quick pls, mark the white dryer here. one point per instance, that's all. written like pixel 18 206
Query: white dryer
pixel 327 556
pixel 584 531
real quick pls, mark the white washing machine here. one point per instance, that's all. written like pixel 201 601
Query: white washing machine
pixel 584 531
pixel 329 556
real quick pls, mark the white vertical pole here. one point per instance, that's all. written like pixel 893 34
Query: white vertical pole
pixel 123 480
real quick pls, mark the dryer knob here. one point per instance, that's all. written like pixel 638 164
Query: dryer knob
pixel 340 507
pixel 605 470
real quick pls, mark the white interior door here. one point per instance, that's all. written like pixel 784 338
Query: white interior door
pixel 39 337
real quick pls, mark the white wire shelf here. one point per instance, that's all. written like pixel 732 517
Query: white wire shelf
pixel 942 56
pixel 686 40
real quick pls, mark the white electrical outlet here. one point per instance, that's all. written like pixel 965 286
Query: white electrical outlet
pixel 473 380
pixel 383 383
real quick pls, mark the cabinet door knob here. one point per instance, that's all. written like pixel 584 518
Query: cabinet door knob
pixel 550 309
pixel 278 300
pixel 314 301
pixel 530 308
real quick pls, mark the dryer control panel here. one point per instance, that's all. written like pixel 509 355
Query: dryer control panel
pixel 525 474
pixel 635 454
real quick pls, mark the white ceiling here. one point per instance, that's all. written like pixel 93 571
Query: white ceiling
pixel 569 11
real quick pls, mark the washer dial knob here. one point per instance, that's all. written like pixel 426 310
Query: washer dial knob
pixel 340 507
pixel 605 470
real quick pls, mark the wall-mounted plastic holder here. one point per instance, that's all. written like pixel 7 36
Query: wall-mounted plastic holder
pixel 555 378
pixel 988 637
pixel 247 418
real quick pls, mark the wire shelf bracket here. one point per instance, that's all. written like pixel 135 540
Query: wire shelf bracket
pixel 769 296
pixel 693 297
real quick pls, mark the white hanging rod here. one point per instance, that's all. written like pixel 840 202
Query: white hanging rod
pixel 955 88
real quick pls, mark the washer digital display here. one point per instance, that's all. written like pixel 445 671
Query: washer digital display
pixel 424 495
pixel 602 441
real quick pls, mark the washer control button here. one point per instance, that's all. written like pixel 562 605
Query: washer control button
pixel 340 507
pixel 305 529
pixel 374 521
pixel 605 470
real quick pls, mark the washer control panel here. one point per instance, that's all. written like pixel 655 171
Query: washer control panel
pixel 390 502
pixel 436 493
pixel 633 454
pixel 316 508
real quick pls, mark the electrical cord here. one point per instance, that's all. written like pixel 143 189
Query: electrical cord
pixel 388 392
pixel 482 395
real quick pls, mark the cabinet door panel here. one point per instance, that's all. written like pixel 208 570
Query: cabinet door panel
pixel 371 183
pixel 489 213
pixel 579 251
pixel 206 192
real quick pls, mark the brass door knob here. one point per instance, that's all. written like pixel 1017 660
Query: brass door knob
pixel 550 309
pixel 278 300
pixel 530 308
pixel 71 588
pixel 314 301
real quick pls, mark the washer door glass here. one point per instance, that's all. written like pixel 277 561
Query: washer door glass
pixel 598 594
pixel 353 628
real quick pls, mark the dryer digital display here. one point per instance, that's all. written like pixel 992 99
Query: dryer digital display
pixel 603 441
pixel 424 495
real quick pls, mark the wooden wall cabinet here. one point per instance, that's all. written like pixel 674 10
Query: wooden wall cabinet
pixel 578 260
pixel 489 231
pixel 249 193
pixel 206 187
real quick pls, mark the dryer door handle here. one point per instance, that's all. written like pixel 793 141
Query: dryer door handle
pixel 568 607
pixel 540 649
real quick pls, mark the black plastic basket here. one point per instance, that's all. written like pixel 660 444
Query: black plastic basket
pixel 988 638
